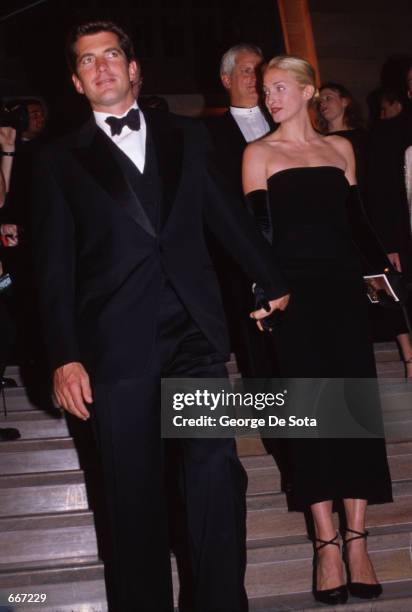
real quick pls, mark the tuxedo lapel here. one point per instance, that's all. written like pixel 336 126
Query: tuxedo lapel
pixel 168 147
pixel 94 151
pixel 233 132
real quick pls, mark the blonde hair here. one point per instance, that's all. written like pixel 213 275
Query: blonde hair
pixel 303 72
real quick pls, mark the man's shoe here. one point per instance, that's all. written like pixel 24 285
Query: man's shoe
pixel 9 433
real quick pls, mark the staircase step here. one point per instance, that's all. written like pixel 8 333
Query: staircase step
pixel 398 430
pixel 386 351
pixel 42 455
pixel 50 536
pixel 77 587
pixel 394 385
pixel 390 369
pixel 13 371
pixel 396 402
pixel 397 597
pixel 34 424
pixel 82 596
pixel 274 522
pixel 26 573
pixel 272 577
pixel 285 569
pixel 42 493
pixel 17 399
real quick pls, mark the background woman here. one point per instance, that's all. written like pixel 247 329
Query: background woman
pixel 305 179
pixel 340 114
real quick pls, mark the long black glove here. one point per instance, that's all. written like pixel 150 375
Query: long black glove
pixel 258 204
pixel 371 250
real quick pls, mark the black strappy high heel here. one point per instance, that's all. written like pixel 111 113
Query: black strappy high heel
pixel 359 589
pixel 331 597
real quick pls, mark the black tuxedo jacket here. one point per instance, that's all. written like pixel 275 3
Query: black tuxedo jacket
pixel 101 263
pixel 228 147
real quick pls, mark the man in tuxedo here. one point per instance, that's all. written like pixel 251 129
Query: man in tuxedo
pixel 244 121
pixel 128 295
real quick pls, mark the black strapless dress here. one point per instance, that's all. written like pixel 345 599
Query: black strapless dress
pixel 324 330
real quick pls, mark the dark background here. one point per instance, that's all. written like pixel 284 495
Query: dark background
pixel 179 43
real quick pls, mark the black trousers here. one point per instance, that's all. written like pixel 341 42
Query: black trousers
pixel 211 479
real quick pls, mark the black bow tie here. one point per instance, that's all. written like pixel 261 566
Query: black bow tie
pixel 132 120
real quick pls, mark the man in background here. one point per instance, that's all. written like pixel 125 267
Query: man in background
pixel 244 121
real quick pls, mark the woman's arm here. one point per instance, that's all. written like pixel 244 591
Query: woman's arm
pixel 254 179
pixel 344 148
pixel 255 189
pixel 254 167
pixel 371 250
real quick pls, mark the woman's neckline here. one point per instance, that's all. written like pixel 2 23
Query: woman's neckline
pixel 306 168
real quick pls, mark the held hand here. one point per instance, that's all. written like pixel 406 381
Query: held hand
pixel 9 234
pixel 395 261
pixel 7 138
pixel 72 389
pixel 278 304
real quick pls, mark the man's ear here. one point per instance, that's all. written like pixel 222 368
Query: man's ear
pixel 77 84
pixel 133 71
pixel 226 81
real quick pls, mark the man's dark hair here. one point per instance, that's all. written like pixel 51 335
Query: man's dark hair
pixel 95 27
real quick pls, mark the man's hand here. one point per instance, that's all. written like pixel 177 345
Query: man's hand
pixel 279 304
pixel 7 138
pixel 72 389
pixel 395 261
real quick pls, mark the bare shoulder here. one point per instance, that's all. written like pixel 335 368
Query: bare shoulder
pixel 256 151
pixel 341 145
pixel 257 146
pixel 262 148
pixel 254 167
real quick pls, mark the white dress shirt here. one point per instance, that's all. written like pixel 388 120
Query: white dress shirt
pixel 131 142
pixel 251 122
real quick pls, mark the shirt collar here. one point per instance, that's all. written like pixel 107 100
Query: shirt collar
pixel 101 118
pixel 237 111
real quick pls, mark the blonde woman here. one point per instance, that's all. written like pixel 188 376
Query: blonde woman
pixel 303 181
